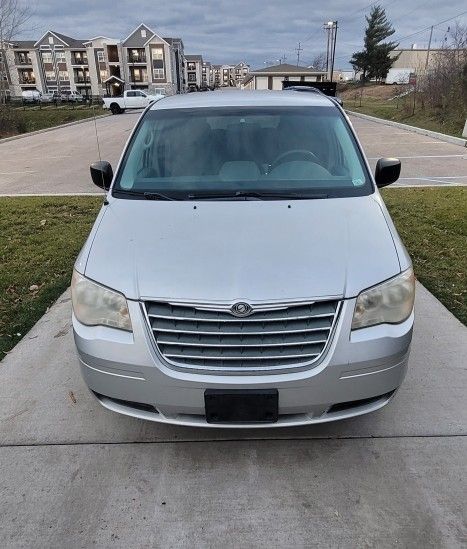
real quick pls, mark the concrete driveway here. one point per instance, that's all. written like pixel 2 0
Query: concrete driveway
pixel 75 473
pixel 58 161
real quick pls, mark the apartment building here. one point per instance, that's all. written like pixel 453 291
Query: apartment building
pixel 99 66
pixel 228 75
pixel 206 75
pixel 194 71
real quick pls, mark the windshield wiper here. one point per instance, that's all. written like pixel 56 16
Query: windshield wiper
pixel 144 195
pixel 158 196
pixel 256 194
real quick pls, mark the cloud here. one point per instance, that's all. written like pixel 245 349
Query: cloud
pixel 252 30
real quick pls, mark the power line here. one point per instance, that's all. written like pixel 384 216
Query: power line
pixel 397 39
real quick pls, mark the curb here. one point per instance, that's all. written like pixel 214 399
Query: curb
pixel 37 132
pixel 429 133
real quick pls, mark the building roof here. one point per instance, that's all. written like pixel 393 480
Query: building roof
pixel 72 42
pixel 23 44
pixel 239 98
pixel 194 57
pixel 172 40
pixel 285 69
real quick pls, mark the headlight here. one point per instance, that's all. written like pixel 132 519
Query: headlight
pixel 390 302
pixel 95 305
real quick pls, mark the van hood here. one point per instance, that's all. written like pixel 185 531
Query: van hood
pixel 257 251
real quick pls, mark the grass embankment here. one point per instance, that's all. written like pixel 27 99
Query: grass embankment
pixel 39 241
pixel 40 238
pixel 381 101
pixel 18 120
pixel 432 222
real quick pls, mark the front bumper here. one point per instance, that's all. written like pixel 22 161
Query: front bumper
pixel 361 369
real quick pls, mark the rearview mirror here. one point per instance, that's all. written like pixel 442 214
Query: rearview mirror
pixel 102 174
pixel 387 171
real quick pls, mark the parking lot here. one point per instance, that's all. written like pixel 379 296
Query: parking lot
pixel 75 473
pixel 58 161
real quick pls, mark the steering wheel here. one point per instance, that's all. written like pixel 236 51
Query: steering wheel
pixel 300 153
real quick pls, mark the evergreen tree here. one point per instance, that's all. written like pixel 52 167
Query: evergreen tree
pixel 374 60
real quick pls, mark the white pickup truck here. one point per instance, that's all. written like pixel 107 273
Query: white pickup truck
pixel 131 99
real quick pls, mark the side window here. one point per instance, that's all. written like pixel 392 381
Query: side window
pixel 142 94
pixel 131 94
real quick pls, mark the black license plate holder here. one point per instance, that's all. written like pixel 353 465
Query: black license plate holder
pixel 241 406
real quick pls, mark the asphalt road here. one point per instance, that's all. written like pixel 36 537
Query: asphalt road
pixel 58 161
pixel 74 473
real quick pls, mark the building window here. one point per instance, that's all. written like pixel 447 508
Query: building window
pixel 51 39
pixel 103 74
pixel 143 33
pixel 46 56
pixel 157 55
pixel 191 77
pixel 191 66
pixel 100 57
pixel 50 75
pixel 63 75
pixel 60 57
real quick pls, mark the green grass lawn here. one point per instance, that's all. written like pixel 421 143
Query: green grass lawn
pixel 401 111
pixel 22 120
pixel 40 238
pixel 39 241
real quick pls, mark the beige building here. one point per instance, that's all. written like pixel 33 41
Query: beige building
pixel 271 78
pixel 99 66
pixel 417 59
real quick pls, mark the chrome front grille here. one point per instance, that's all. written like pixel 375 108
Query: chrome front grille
pixel 273 337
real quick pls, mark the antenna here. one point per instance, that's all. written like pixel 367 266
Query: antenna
pixel 95 130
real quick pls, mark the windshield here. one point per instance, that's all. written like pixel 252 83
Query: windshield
pixel 228 152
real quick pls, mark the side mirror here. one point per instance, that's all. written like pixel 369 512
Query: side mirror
pixel 387 171
pixel 102 174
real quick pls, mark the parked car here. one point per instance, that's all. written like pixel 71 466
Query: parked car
pixel 313 89
pixel 399 76
pixel 31 96
pixel 48 97
pixel 131 99
pixel 71 96
pixel 243 270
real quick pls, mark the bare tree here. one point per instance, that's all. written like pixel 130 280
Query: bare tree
pixel 319 62
pixel 444 85
pixel 14 16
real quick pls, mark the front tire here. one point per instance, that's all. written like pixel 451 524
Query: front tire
pixel 115 108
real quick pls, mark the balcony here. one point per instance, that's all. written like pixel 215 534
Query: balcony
pixel 139 79
pixel 137 57
pixel 23 60
pixel 82 80
pixel 112 54
pixel 79 60
pixel 27 80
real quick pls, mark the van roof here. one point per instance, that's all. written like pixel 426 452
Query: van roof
pixel 242 98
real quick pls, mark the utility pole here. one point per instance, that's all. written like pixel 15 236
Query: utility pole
pixel 331 29
pixel 334 47
pixel 428 50
pixel 298 50
pixel 327 28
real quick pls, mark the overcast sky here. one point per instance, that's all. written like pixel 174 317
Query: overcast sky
pixel 256 31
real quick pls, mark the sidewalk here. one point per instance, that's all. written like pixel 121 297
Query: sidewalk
pixel 74 471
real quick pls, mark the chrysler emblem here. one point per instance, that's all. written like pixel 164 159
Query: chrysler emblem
pixel 241 309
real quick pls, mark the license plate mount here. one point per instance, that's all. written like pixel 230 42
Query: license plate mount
pixel 241 406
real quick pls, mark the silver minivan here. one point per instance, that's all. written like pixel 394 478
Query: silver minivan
pixel 243 270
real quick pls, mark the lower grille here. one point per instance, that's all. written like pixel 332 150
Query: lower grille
pixel 212 338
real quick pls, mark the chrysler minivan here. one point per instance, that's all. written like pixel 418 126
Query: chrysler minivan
pixel 243 270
